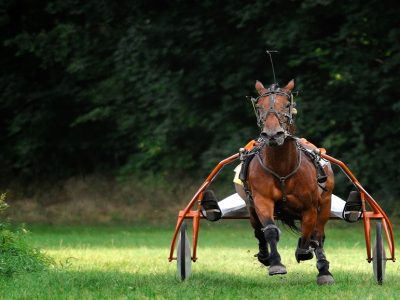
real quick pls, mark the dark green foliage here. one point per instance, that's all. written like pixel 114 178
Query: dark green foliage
pixel 136 86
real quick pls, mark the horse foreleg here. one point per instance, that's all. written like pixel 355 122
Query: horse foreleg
pixel 264 208
pixel 324 276
pixel 271 234
pixel 305 245
pixel 263 253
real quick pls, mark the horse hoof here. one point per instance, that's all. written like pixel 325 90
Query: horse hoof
pixel 325 279
pixel 277 270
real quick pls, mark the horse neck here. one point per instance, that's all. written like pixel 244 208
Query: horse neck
pixel 281 159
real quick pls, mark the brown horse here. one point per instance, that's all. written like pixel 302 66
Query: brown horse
pixel 282 181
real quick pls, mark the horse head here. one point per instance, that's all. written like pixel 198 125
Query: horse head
pixel 275 112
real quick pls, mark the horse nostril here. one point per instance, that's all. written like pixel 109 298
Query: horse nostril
pixel 272 136
pixel 279 134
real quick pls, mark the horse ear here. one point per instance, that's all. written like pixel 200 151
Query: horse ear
pixel 290 86
pixel 259 86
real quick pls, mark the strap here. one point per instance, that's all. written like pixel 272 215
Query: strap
pixel 315 159
pixel 281 179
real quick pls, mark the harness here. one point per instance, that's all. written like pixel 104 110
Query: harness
pixel 286 119
pixel 246 156
pixel 281 179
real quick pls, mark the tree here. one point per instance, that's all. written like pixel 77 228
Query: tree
pixel 160 87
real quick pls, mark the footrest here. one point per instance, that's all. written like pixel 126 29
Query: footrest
pixel 209 206
pixel 352 209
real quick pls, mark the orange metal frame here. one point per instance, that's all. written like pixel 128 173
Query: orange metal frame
pixel 376 211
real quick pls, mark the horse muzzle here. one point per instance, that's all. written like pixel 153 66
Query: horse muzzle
pixel 274 139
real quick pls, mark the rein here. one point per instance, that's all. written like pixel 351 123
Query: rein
pixel 280 178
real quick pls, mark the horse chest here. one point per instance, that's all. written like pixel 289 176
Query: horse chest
pixel 295 197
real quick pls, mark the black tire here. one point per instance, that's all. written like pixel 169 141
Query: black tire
pixel 379 255
pixel 184 254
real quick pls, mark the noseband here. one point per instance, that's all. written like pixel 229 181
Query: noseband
pixel 285 118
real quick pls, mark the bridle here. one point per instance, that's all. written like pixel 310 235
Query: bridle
pixel 285 118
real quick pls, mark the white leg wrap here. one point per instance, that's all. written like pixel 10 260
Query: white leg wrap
pixel 232 203
pixel 235 202
pixel 337 205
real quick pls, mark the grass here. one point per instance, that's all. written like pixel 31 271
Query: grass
pixel 123 262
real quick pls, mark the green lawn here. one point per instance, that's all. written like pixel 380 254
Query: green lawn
pixel 131 263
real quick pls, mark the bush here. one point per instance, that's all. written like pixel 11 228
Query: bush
pixel 16 255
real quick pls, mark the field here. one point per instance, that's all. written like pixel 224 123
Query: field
pixel 123 262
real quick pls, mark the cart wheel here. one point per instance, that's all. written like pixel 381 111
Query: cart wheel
pixel 184 255
pixel 379 255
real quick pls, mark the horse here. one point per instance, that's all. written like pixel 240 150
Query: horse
pixel 282 182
